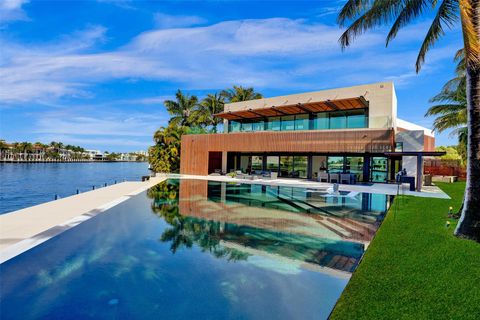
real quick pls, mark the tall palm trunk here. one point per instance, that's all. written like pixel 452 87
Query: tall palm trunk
pixel 469 224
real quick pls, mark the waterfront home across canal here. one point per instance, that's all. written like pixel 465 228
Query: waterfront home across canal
pixel 351 130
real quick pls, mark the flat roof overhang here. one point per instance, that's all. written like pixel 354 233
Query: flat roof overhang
pixel 299 108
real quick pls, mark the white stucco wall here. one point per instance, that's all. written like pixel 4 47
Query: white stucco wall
pixel 412 141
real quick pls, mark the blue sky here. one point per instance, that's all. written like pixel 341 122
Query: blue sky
pixel 95 73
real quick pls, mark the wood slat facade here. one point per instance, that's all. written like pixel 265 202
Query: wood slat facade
pixel 195 149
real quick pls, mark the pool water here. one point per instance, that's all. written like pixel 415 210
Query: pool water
pixel 198 249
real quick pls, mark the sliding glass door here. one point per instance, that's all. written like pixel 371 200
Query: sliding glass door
pixel 286 166
pixel 272 163
pixel 378 169
pixel 257 163
pixel 300 166
pixel 354 165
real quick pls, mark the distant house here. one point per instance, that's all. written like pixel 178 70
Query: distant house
pixel 94 154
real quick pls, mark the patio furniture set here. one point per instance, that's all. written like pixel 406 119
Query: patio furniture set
pixel 343 178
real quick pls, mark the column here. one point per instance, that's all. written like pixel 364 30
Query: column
pixel 419 172
pixel 224 161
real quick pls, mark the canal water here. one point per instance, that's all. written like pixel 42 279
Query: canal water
pixel 26 184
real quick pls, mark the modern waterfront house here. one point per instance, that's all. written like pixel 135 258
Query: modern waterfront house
pixel 345 130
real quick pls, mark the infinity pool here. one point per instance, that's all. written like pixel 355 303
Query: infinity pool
pixel 200 250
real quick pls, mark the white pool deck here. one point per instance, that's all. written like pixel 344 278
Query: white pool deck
pixel 23 229
pixel 382 188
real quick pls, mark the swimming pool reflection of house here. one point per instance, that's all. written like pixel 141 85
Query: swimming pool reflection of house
pixel 347 130
pixel 311 228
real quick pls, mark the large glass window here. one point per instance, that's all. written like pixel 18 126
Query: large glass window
pixel 338 120
pixel 300 166
pixel 321 121
pixel 335 164
pixel 356 119
pixel 258 125
pixel 273 124
pixel 233 126
pixel 354 165
pixel 272 163
pixel 286 166
pixel 257 163
pixel 301 122
pixel 247 126
pixel 378 169
pixel 288 123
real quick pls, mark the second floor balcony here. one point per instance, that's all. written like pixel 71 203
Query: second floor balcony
pixel 353 113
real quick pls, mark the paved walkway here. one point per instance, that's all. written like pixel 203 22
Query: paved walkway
pixel 25 228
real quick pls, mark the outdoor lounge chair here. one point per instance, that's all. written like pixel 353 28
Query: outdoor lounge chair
pixel 270 175
pixel 333 177
pixel 323 177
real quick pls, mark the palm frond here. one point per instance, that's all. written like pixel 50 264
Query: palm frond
pixel 446 15
pixel 380 12
pixel 444 109
pixel 412 9
pixel 352 9
pixel 446 95
pixel 446 121
pixel 461 132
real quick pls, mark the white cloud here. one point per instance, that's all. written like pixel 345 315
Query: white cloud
pixel 272 53
pixel 113 124
pixel 116 129
pixel 163 20
pixel 11 10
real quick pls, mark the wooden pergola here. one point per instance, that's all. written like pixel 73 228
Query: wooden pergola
pixel 299 108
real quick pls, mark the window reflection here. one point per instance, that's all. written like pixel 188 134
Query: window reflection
pixel 320 121
pixel 272 163
pixel 335 164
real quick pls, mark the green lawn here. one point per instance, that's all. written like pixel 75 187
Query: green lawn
pixel 415 268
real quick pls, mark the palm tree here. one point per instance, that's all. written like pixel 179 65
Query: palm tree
pixel 181 109
pixel 451 112
pixel 164 156
pixel 239 93
pixel 363 15
pixel 210 105
pixel 4 146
